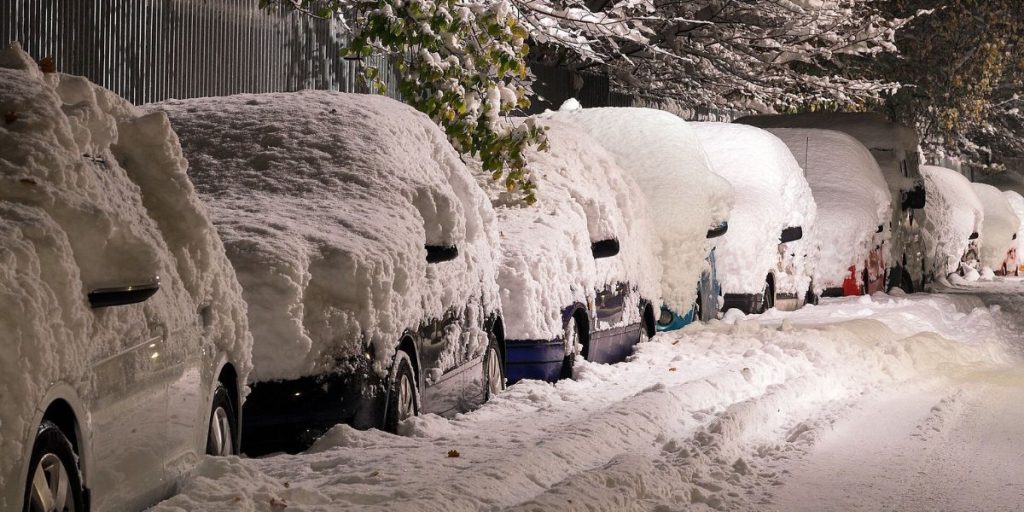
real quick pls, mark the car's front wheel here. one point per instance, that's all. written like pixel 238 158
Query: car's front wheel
pixel 402 393
pixel 54 482
pixel 572 344
pixel 220 440
pixel 494 370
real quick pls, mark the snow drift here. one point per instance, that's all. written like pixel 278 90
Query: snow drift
pixel 953 213
pixel 999 226
pixel 662 154
pixel 546 262
pixel 851 196
pixel 771 195
pixel 93 194
pixel 325 201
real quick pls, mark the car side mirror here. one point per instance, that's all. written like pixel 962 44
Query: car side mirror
pixel 441 253
pixel 718 230
pixel 123 295
pixel 605 248
pixel 791 234
pixel 974 236
pixel 914 199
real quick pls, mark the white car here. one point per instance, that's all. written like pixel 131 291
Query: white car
pixel 1014 265
pixel 999 228
pixel 853 210
pixel 955 216
pixel 365 252
pixel 689 203
pixel 762 260
pixel 577 272
pixel 124 345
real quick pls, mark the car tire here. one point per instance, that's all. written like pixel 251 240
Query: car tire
pixel 698 308
pixel 494 369
pixel 767 298
pixel 572 342
pixel 221 438
pixel 54 481
pixel 402 403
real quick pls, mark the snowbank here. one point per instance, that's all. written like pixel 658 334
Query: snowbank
pixel 93 194
pixel 771 195
pixel 953 213
pixel 1017 205
pixel 325 202
pixel 999 226
pixel 546 263
pixel 851 196
pixel 661 152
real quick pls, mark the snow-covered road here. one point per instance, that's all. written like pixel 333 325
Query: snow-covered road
pixel 872 403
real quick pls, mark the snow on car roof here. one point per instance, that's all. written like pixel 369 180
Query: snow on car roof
pixel 583 196
pixel 851 195
pixel 998 227
pixel 325 201
pixel 771 195
pixel 93 194
pixel 663 155
pixel 953 212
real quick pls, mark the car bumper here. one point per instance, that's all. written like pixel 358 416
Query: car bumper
pixel 534 359
pixel 748 303
pixel 676 321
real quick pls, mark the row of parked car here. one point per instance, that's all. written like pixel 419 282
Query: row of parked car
pixel 331 258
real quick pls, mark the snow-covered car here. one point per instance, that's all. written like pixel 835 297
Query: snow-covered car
pixel 1016 264
pixel 998 229
pixel 954 220
pixel 853 209
pixel 688 202
pixel 895 148
pixel 124 344
pixel 365 252
pixel 577 273
pixel 763 260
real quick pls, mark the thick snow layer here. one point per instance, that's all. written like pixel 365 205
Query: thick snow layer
pixel 325 201
pixel 546 263
pixel 712 417
pixel 771 195
pixel 953 213
pixel 999 226
pixel 662 153
pixel 851 196
pixel 889 142
pixel 1017 204
pixel 93 194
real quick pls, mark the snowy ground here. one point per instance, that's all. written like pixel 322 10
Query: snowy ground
pixel 873 403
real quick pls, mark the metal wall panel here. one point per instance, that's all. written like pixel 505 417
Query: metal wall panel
pixel 150 50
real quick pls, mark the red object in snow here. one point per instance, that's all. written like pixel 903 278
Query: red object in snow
pixel 871 280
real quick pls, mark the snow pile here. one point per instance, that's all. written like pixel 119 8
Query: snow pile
pixel 1017 204
pixel 953 213
pixel 661 152
pixel 889 142
pixel 851 196
pixel 771 195
pixel 699 418
pixel 93 194
pixel 547 263
pixel 998 228
pixel 325 202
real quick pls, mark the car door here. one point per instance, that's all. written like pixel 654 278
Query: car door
pixel 129 410
pixel 189 385
pixel 439 346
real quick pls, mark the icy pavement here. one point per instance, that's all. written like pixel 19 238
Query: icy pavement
pixel 872 403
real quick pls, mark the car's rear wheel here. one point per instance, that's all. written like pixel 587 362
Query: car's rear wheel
pixel 767 298
pixel 54 482
pixel 494 370
pixel 402 393
pixel 698 308
pixel 223 424
pixel 572 344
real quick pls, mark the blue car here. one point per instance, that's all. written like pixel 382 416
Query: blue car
pixel 707 304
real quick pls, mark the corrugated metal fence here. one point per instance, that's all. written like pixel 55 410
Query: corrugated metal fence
pixel 149 50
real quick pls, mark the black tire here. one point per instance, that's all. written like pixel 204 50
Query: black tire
pixel 811 297
pixel 402 392
pixel 572 328
pixel 767 298
pixel 222 432
pixel 494 369
pixel 698 308
pixel 906 282
pixel 648 322
pixel 53 458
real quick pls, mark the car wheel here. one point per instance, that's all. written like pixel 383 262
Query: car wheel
pixel 698 308
pixel 401 394
pixel 54 482
pixel 767 299
pixel 223 424
pixel 494 370
pixel 572 343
